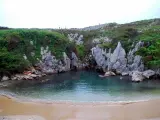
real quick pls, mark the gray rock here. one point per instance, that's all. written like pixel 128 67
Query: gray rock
pixel 137 76
pixel 5 78
pixel 78 39
pixel 98 56
pixel 148 73
pixel 137 64
pixel 67 61
pixel 74 60
pixel 118 53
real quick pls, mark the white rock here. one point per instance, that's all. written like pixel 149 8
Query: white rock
pixel 118 53
pixel 5 78
pixel 67 61
pixel 74 60
pixel 109 73
pixel 124 73
pixel 148 73
pixel 137 76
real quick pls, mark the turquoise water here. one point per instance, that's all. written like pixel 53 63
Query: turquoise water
pixel 86 86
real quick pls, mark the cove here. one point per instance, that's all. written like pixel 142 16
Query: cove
pixel 87 86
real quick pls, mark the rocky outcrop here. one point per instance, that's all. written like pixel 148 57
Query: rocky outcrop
pixel 77 38
pixel 148 73
pixel 118 61
pixel 109 61
pixel 99 57
pixel 67 62
pixel 137 76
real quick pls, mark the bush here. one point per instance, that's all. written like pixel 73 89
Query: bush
pixel 11 62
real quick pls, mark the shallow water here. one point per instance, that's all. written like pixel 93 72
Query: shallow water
pixel 84 86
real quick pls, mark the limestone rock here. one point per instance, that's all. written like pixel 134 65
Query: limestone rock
pixel 74 60
pixel 118 53
pixel 109 73
pixel 98 56
pixel 67 61
pixel 137 76
pixel 148 73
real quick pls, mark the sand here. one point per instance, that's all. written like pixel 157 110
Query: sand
pixel 146 110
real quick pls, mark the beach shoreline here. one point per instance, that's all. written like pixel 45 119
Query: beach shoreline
pixel 142 110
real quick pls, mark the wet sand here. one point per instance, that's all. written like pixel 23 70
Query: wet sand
pixel 146 110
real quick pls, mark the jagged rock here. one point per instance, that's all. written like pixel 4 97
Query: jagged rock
pixel 67 61
pixel 5 78
pixel 130 56
pixel 148 73
pixel 118 53
pixel 98 56
pixel 137 76
pixel 74 60
pixel 76 37
pixel 137 64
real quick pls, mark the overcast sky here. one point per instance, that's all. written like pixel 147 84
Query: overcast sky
pixel 74 13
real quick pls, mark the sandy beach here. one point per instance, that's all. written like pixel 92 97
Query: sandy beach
pixel 147 110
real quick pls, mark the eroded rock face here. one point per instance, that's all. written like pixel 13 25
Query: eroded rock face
pixel 148 73
pixel 74 60
pixel 137 64
pixel 130 56
pixel 137 76
pixel 119 53
pixel 118 60
pixel 67 61
pixel 97 53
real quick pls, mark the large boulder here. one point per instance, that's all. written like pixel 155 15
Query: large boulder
pixel 67 62
pixel 109 73
pixel 137 76
pixel 74 60
pixel 5 78
pixel 148 73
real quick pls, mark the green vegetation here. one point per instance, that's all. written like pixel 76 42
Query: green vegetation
pixel 151 49
pixel 81 51
pixel 15 43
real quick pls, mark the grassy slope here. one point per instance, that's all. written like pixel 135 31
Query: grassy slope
pixel 14 43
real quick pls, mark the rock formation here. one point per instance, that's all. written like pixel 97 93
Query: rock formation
pixel 118 60
pixel 78 39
